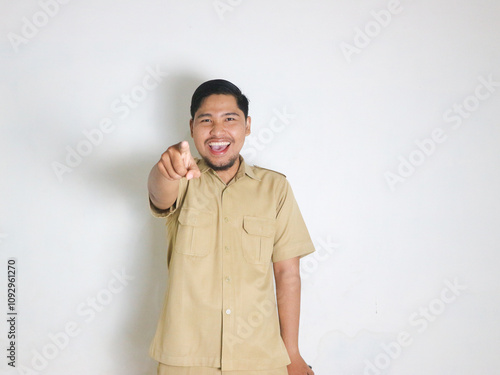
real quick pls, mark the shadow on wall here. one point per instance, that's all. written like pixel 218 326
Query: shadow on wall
pixel 147 261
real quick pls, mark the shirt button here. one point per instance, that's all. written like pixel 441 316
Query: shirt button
pixel 226 248
pixel 228 279
pixel 226 219
pixel 228 311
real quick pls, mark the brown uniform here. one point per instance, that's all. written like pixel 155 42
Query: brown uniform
pixel 220 306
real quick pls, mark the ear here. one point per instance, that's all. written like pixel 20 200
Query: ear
pixel 248 124
pixel 191 127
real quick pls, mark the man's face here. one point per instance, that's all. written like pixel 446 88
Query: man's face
pixel 219 130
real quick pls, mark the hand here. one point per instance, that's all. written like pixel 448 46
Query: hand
pixel 299 366
pixel 177 162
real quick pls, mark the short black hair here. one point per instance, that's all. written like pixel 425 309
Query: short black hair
pixel 218 86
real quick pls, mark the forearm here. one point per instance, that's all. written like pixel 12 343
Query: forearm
pixel 288 300
pixel 162 191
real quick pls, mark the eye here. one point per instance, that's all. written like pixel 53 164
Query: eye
pixel 230 119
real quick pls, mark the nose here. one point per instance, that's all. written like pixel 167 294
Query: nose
pixel 217 128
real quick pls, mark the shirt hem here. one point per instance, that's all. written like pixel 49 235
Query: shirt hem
pixel 255 364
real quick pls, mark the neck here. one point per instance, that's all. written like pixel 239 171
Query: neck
pixel 228 174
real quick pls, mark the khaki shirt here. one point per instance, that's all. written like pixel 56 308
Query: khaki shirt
pixel 220 304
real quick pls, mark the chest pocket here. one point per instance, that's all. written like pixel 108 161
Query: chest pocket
pixel 196 233
pixel 258 239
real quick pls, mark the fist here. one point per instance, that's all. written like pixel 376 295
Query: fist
pixel 177 162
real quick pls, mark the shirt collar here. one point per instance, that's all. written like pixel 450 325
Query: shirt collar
pixel 244 169
pixel 248 169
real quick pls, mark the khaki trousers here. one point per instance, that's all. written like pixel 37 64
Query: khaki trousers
pixel 184 370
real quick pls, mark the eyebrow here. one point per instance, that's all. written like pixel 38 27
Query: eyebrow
pixel 210 115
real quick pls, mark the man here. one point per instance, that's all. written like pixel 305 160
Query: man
pixel 230 228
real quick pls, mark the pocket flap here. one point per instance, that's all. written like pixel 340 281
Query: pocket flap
pixel 258 226
pixel 194 217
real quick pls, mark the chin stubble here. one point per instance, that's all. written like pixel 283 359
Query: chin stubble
pixel 224 167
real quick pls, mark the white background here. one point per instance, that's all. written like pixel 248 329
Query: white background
pixel 391 237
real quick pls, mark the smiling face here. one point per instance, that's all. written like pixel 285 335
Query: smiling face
pixel 219 129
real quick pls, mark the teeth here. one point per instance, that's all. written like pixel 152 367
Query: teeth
pixel 219 143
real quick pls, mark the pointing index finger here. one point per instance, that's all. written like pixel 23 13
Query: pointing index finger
pixel 184 147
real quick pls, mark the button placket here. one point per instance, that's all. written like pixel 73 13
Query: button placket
pixel 227 292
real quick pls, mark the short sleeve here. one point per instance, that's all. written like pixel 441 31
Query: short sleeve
pixel 292 237
pixel 156 212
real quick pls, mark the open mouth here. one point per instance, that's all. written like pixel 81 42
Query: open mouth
pixel 219 147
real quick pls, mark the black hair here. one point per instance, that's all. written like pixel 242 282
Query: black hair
pixel 218 86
